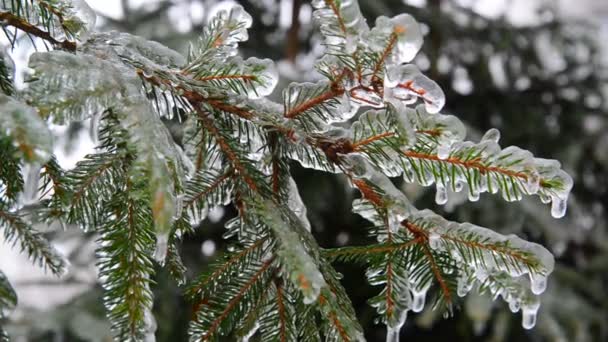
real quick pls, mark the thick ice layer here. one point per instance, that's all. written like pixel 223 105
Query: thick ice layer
pixel 406 83
pixel 400 35
pixel 397 205
pixel 301 267
pixel 28 132
pixel 341 23
pixel 69 87
pixel 137 49
pixel 496 253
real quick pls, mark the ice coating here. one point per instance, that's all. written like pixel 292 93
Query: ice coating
pixel 539 263
pixel 401 34
pixel 82 15
pixel 302 269
pixel 491 135
pixel 398 206
pixel 253 77
pixel 29 132
pixel 296 205
pixel 341 24
pixel 333 108
pixel 406 83
pixel 89 85
pixel 7 70
pixel 221 36
pixel 136 49
pixel 555 185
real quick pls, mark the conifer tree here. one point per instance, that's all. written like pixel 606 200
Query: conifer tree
pixel 373 117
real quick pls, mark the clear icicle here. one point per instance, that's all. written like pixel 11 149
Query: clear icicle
pixel 30 184
pixel 528 314
pixel 441 194
pixel 162 243
pixel 150 326
pixel 392 334
pixel 94 128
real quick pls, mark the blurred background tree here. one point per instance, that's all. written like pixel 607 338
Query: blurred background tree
pixel 538 77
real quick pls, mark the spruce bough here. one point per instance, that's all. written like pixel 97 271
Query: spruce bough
pixel 371 117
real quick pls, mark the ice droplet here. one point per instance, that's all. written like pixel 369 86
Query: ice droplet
pixel 441 195
pixel 491 135
pixel 162 242
pixel 538 283
pixel 443 151
pixel 514 305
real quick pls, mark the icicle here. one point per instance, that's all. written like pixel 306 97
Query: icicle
pixel 150 326
pixel 296 205
pixel 392 334
pixel 558 207
pixel 162 242
pixel 529 312
pixel 30 184
pixel 418 298
pixel 94 128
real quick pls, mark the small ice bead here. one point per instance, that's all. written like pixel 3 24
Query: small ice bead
pixel 434 240
pixel 514 305
pixel 558 207
pixel 538 283
pixel 441 195
pixel 491 135
pixel 443 151
pixel 473 195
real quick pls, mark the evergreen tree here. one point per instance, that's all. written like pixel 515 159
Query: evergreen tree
pixel 143 192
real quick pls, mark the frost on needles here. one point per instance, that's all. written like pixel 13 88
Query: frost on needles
pixel 372 117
